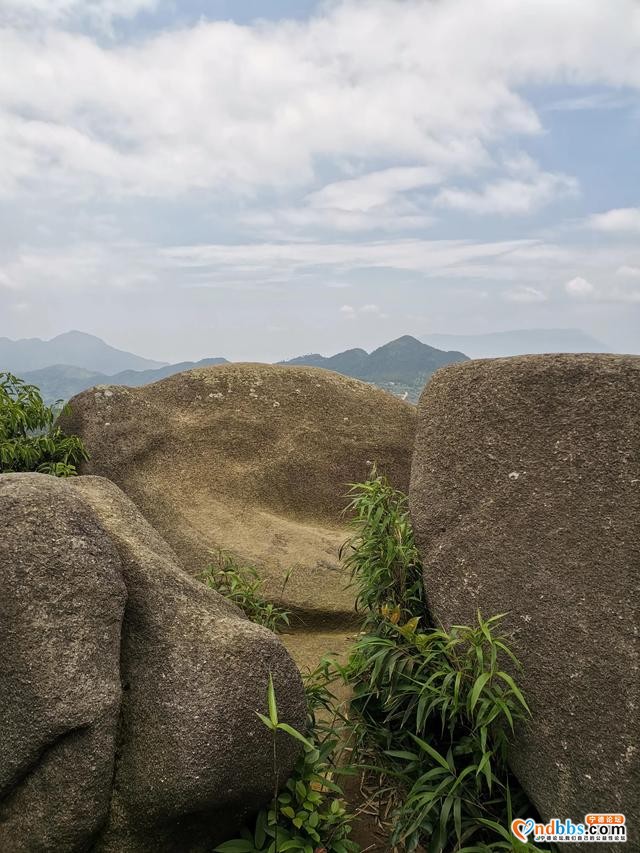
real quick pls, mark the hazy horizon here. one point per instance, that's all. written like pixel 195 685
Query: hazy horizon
pixel 422 338
pixel 259 180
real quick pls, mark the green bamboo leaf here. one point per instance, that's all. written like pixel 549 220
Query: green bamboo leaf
pixel 409 756
pixel 260 835
pixel 477 689
pixel 238 845
pixel 432 752
pixel 497 827
pixel 457 817
pixel 285 727
pixel 515 689
pixel 266 721
pixel 271 698
pixel 444 817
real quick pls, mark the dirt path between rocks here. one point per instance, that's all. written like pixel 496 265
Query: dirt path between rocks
pixel 307 647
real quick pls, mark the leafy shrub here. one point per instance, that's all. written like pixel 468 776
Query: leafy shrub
pixel 430 715
pixel 29 441
pixel 382 555
pixel 432 710
pixel 309 814
pixel 243 586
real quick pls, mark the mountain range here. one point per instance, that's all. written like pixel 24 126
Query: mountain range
pixel 62 381
pixel 74 361
pixel 71 348
pixel 519 342
pixel 402 366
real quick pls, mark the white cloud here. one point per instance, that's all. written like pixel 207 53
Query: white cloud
pixel 579 287
pixel 38 13
pixel 278 223
pixel 594 101
pixel 525 294
pixel 91 266
pixel 290 259
pixel 520 265
pixel 623 219
pixel 419 84
pixel 525 191
pixel 372 190
pixel 605 292
pixel 305 153
pixel 631 272
pixel 376 310
pixel 372 310
pixel 375 200
pixel 6 282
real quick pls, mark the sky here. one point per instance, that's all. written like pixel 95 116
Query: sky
pixel 259 180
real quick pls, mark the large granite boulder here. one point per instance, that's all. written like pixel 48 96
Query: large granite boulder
pixel 525 495
pixel 128 690
pixel 254 459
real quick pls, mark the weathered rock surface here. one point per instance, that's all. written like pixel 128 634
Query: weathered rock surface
pixel 525 494
pixel 250 458
pixel 128 690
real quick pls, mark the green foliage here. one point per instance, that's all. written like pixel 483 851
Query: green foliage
pixel 432 710
pixel 309 813
pixel 29 441
pixel 323 714
pixel 243 586
pixel 430 716
pixel 382 555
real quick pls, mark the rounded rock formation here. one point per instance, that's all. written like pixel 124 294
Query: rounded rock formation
pixel 128 690
pixel 525 495
pixel 251 458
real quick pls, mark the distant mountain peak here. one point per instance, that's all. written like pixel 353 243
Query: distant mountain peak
pixel 403 365
pixel 76 334
pixel 402 341
pixel 73 348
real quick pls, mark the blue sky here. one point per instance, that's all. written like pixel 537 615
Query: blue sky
pixel 241 11
pixel 260 179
